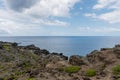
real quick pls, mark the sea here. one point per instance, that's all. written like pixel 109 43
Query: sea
pixel 68 45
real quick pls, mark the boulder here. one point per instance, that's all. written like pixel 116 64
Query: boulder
pixel 32 47
pixel 86 78
pixel 76 60
pixel 44 51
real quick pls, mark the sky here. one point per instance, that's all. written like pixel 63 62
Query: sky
pixel 59 17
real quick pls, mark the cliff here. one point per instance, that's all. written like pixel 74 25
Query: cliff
pixel 32 63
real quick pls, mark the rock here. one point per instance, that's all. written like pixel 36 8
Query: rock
pixel 76 60
pixel 117 50
pixel 1 47
pixel 61 55
pixel 14 44
pixel 32 47
pixel 85 78
pixel 37 52
pixel 34 73
pixel 115 77
pixel 44 51
pixel 104 49
pixel 103 74
pixel 64 57
pixel 58 64
pixel 117 46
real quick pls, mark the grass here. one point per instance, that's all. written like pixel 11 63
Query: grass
pixel 31 79
pixel 90 72
pixel 71 69
pixel 1 67
pixel 6 47
pixel 116 70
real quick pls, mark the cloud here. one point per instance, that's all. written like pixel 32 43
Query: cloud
pixel 100 29
pixel 111 17
pixel 112 14
pixel 91 15
pixel 105 4
pixel 19 24
pixel 42 8
pixel 8 26
pixel 19 5
pixel 21 17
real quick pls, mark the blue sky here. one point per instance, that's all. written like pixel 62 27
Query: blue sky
pixel 59 18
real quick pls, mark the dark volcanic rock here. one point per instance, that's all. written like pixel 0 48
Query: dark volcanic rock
pixel 76 60
pixel 116 77
pixel 85 78
pixel 32 47
pixel 14 44
pixel 1 47
pixel 44 51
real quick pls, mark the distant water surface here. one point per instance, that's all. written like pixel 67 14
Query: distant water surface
pixel 80 45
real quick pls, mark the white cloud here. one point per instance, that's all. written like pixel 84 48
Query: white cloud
pixel 8 26
pixel 100 29
pixel 46 8
pixel 111 17
pixel 113 13
pixel 105 3
pixel 42 8
pixel 91 15
pixel 18 17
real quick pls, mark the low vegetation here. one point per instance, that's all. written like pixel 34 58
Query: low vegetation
pixel 90 72
pixel 116 70
pixel 72 69
pixel 31 79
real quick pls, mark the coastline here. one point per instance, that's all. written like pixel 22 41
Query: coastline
pixel 32 63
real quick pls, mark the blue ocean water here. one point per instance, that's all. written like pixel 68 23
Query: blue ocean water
pixel 69 45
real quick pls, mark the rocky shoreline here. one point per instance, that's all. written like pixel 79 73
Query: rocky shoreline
pixel 32 63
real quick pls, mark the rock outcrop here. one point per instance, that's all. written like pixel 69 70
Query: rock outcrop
pixel 32 63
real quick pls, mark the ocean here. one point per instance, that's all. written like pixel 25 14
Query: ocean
pixel 68 45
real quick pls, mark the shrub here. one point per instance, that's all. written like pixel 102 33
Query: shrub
pixel 118 79
pixel 90 72
pixel 6 47
pixel 31 79
pixel 1 79
pixel 71 69
pixel 1 67
pixel 116 70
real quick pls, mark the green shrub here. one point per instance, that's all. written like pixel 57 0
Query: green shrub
pixel 1 79
pixel 116 70
pixel 31 79
pixel 90 72
pixel 71 69
pixel 118 79
pixel 1 67
pixel 6 47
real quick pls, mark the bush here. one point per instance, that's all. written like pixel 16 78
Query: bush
pixel 71 69
pixel 116 70
pixel 90 72
pixel 6 47
pixel 1 79
pixel 1 67
pixel 31 79
pixel 118 79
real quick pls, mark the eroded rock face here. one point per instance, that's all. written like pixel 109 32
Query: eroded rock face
pixel 76 60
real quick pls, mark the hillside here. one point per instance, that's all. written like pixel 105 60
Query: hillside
pixel 32 63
